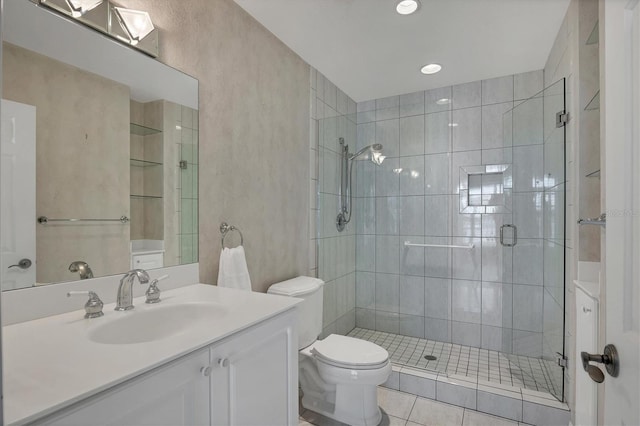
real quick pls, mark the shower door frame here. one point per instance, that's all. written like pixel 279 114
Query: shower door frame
pixel 558 358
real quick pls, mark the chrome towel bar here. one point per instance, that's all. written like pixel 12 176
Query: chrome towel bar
pixel 43 220
pixel 600 221
pixel 225 228
pixel 410 244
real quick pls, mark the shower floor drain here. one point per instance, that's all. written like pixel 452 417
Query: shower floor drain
pixel 430 357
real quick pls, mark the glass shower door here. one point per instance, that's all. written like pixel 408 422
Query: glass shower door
pixel 533 241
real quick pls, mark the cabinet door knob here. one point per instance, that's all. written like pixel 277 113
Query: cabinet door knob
pixel 205 371
pixel 223 362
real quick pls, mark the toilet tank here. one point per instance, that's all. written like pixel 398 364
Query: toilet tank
pixel 309 310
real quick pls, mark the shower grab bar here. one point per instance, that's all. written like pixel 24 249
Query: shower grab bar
pixel 43 220
pixel 410 244
pixel 600 221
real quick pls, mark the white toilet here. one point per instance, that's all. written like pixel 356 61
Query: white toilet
pixel 339 375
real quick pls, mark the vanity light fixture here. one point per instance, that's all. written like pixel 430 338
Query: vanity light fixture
pixel 131 27
pixel 80 7
pixel 430 68
pixel 136 23
pixel 407 7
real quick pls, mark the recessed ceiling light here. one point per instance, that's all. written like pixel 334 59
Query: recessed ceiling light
pixel 407 7
pixel 453 124
pixel 430 68
pixel 443 101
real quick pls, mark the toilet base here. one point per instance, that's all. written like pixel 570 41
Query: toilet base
pixel 369 415
pixel 354 404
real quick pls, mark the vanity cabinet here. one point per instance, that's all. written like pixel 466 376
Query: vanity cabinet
pixel 175 394
pixel 247 378
pixel 147 261
pixel 254 376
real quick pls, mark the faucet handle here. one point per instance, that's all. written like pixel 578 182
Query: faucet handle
pixel 93 307
pixel 153 292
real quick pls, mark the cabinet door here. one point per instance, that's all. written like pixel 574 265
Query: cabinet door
pixel 177 394
pixel 147 261
pixel 254 375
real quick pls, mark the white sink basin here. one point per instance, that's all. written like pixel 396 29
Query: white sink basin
pixel 154 322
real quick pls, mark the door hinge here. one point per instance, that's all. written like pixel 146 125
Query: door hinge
pixel 562 118
pixel 562 360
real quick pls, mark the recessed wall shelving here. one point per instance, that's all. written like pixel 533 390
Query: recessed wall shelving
pixel 594 36
pixel 594 103
pixel 142 197
pixel 139 130
pixel 144 163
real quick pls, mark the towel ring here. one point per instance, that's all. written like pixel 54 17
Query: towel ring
pixel 225 228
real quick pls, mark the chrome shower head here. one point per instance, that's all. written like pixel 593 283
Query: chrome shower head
pixel 375 152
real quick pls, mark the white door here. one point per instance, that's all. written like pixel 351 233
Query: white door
pixel 18 195
pixel 621 118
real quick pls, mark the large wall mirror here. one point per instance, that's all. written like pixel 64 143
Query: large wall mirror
pixel 99 154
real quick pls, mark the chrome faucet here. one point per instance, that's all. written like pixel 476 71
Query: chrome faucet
pixel 125 293
pixel 82 268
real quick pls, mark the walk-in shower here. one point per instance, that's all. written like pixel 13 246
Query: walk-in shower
pixel 372 152
pixel 477 185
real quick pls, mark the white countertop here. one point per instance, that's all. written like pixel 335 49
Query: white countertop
pixel 50 363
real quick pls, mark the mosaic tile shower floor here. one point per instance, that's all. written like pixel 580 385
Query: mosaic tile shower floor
pixel 482 364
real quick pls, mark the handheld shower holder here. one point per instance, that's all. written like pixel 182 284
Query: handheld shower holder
pixel 341 222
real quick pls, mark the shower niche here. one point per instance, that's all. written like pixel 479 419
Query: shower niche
pixel 486 189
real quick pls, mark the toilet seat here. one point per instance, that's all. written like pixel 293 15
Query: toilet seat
pixel 349 353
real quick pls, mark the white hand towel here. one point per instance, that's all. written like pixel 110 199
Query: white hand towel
pixel 233 271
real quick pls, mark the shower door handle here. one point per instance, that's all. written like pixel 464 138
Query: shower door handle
pixel 515 235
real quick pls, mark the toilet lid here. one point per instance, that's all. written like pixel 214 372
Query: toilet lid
pixel 348 351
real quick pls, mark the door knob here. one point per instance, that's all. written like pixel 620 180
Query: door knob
pixel 609 359
pixel 23 264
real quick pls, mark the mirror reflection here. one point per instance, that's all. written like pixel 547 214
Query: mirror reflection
pixel 99 175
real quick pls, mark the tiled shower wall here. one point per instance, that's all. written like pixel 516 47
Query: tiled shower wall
pixel 465 296
pixel 333 116
pixel 186 137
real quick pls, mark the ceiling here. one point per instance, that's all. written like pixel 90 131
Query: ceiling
pixel 369 51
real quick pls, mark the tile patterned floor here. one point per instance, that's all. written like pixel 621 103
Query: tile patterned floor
pixel 492 366
pixel 404 409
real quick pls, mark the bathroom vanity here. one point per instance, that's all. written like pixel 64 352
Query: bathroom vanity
pixel 204 355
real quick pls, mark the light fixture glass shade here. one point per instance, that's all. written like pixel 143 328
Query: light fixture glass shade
pixel 80 7
pixel 136 23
